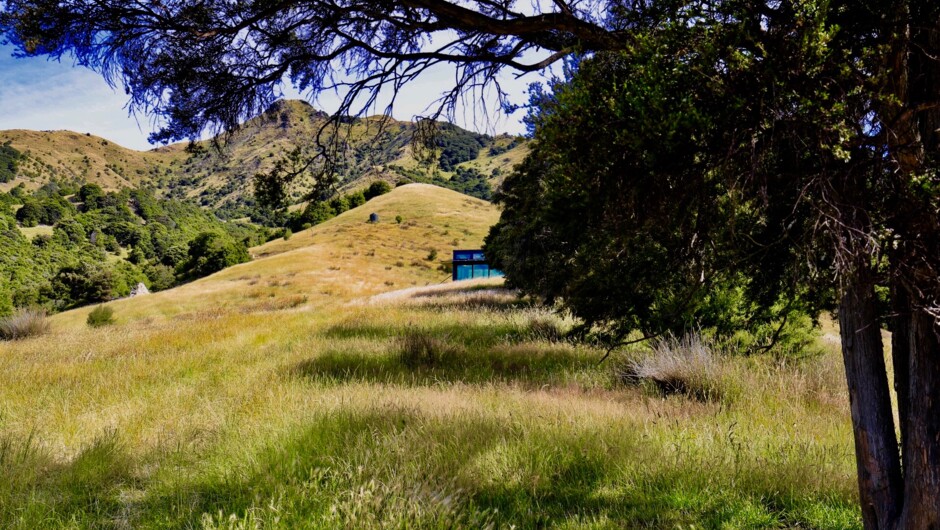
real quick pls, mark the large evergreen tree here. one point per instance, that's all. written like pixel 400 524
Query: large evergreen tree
pixel 838 118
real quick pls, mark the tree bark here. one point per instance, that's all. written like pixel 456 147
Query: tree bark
pixel 876 449
pixel 921 442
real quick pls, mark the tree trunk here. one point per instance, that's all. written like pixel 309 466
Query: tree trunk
pixel 921 442
pixel 876 449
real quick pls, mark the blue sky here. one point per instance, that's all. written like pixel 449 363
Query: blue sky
pixel 47 95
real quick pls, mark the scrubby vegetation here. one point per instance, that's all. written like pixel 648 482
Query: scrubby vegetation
pixel 90 246
pixel 100 316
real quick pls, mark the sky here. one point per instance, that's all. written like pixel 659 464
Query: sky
pixel 39 94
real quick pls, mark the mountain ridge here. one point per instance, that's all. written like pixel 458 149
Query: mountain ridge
pixel 222 178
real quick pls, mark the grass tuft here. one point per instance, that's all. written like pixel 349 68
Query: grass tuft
pixel 23 324
pixel 685 365
pixel 422 349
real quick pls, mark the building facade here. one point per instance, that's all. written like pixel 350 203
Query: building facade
pixel 470 264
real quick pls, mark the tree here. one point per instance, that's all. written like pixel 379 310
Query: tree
pixel 211 252
pixel 840 115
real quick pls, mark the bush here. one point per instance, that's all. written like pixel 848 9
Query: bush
pixel 379 187
pixel 432 255
pixel 23 324
pixel 211 252
pixel 101 316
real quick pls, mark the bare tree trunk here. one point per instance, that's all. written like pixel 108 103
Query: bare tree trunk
pixel 921 443
pixel 876 449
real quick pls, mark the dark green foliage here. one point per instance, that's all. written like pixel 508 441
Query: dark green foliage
pixel 89 283
pixel 379 187
pixel 9 162
pixel 6 300
pixel 617 214
pixel 100 316
pixel 72 268
pixel 89 194
pixel 468 181
pixel 211 252
pixel 161 276
pixel 458 145
pixel 29 213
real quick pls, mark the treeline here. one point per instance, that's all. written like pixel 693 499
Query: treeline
pixel 100 245
pixel 469 181
pixel 317 212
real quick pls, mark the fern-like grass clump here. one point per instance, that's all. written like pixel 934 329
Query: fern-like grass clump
pixel 23 324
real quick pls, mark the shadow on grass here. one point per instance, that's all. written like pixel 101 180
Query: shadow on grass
pixel 467 334
pixel 393 468
pixel 529 365
pixel 38 492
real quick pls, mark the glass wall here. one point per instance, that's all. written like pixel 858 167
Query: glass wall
pixel 475 270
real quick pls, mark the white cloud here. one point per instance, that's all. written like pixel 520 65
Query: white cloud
pixel 48 95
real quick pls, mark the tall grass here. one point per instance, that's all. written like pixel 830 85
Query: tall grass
pixel 23 324
pixel 223 404
pixel 688 365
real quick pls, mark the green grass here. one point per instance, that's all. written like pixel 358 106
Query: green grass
pixel 278 394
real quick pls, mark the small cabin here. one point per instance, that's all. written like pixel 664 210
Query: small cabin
pixel 470 264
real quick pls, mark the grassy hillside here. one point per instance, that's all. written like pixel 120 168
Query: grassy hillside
pixel 67 155
pixel 335 383
pixel 223 179
pixel 373 150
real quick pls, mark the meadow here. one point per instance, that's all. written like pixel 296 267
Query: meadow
pixel 336 382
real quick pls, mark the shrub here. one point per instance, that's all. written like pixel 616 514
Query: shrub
pixel 211 252
pixel 432 255
pixel 398 219
pixel 23 324
pixel 379 187
pixel 101 316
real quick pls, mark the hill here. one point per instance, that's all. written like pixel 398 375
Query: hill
pixel 372 149
pixel 43 156
pixel 222 179
pixel 343 258
pixel 334 382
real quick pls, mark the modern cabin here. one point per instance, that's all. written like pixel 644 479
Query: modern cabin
pixel 470 264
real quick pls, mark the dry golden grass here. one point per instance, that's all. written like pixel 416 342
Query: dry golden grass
pixel 275 394
pixel 88 157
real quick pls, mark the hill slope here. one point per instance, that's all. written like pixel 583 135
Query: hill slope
pixel 222 179
pixel 372 149
pixel 282 394
pixel 343 258
pixel 70 156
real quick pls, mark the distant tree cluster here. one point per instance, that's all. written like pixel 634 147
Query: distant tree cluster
pixel 9 162
pixel 104 243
